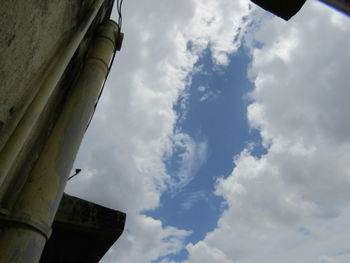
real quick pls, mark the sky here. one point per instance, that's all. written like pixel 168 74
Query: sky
pixel 223 132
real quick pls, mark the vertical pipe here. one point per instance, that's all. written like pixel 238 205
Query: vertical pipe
pixel 29 226
pixel 29 121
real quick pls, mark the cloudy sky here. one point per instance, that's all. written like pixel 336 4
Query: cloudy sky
pixel 224 134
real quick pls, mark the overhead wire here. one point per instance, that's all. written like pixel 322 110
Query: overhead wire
pixel 119 10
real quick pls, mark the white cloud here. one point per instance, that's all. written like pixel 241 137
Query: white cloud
pixel 191 157
pixel 218 23
pixel 192 198
pixel 147 239
pixel 133 128
pixel 202 88
pixel 167 261
pixel 292 204
pixel 325 259
pixel 201 252
pixel 210 95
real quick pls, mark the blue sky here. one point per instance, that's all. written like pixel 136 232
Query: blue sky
pixel 223 133
pixel 215 112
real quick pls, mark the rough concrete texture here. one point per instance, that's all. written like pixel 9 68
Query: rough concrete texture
pixel 31 34
pixel 82 232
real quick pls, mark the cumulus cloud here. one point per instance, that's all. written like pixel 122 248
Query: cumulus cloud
pixel 218 23
pixel 122 157
pixel 148 240
pixel 292 204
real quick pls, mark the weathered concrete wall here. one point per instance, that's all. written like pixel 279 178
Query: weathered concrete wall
pixel 29 48
pixel 31 34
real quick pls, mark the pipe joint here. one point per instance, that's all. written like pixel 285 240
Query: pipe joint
pixel 28 222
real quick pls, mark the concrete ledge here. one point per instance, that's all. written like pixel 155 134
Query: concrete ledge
pixel 82 232
pixel 284 9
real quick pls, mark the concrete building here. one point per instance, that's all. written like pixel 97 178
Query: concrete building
pixel 55 56
pixel 288 8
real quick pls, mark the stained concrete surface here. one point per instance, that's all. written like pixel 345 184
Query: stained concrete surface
pixel 32 32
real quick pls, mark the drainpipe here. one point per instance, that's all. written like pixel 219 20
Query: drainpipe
pixel 29 225
pixel 29 121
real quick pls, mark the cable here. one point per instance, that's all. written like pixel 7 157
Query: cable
pixel 119 10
